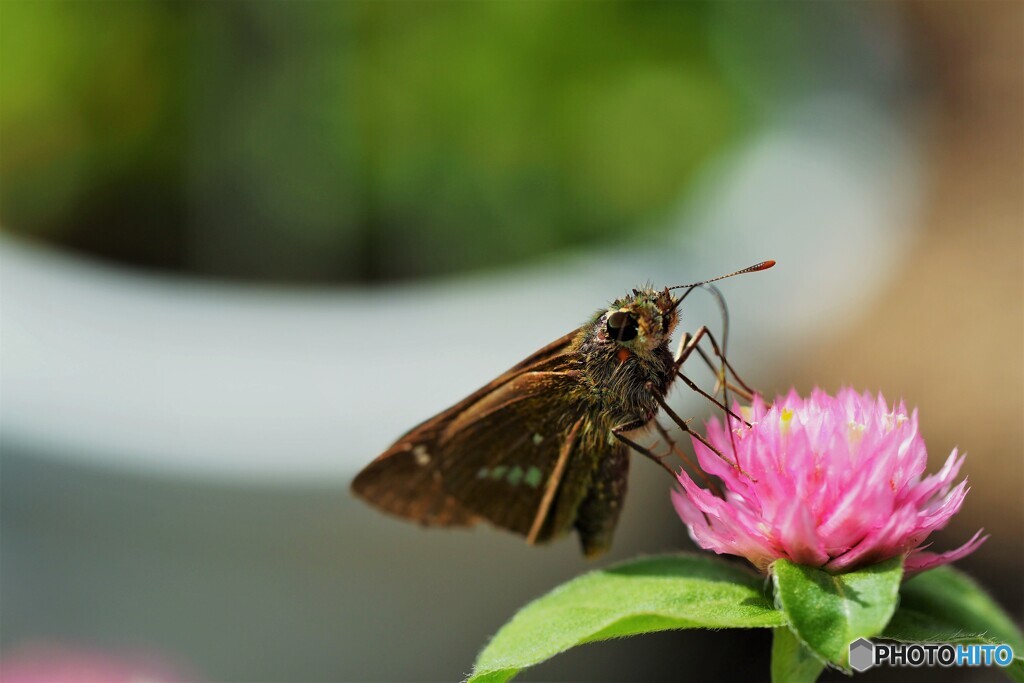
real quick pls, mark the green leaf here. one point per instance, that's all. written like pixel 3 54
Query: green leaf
pixel 792 662
pixel 829 611
pixel 946 606
pixel 948 596
pixel 639 596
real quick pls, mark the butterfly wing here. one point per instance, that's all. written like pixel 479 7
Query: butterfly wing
pixel 527 460
pixel 516 457
pixel 407 480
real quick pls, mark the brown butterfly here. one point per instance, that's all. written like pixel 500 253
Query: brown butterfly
pixel 541 450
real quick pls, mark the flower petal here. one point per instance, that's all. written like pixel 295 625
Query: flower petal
pixel 918 561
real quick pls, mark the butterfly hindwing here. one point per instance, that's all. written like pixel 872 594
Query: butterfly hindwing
pixel 597 516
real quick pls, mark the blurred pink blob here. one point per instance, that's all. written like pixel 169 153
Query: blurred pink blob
pixel 834 482
pixel 52 663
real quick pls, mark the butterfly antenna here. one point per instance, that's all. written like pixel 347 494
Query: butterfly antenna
pixel 763 265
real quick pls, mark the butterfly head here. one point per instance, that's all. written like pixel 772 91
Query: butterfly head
pixel 640 322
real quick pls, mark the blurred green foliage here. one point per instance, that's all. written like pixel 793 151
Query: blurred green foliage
pixel 351 141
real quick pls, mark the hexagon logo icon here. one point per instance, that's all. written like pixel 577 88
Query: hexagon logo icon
pixel 862 655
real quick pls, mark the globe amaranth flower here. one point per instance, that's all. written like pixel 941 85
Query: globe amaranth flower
pixel 830 482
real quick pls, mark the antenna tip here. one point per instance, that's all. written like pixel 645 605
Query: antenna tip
pixel 764 265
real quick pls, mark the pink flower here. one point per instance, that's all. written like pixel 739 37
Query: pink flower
pixel 826 482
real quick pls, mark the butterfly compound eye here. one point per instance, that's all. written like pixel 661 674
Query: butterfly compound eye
pixel 621 326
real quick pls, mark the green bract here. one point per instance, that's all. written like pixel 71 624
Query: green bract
pixel 827 612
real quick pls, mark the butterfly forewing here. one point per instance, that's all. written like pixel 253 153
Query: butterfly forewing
pixel 398 484
pixel 408 479
pixel 503 455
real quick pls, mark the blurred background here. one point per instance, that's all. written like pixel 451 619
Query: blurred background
pixel 244 246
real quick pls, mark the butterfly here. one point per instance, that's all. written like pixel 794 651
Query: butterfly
pixel 542 449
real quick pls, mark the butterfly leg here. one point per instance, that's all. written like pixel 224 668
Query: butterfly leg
pixel 646 452
pixel 683 425
pixel 686 459
pixel 690 343
pixel 660 459
pixel 690 383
